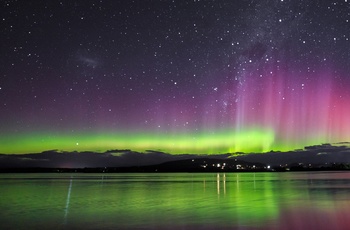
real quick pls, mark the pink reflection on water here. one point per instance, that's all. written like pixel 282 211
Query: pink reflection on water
pixel 310 217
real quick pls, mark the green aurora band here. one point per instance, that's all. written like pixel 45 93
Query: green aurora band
pixel 251 140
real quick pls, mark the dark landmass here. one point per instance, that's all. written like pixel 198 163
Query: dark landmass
pixel 319 157
pixel 188 165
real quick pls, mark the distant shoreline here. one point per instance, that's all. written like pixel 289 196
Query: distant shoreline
pixel 199 165
pixel 149 170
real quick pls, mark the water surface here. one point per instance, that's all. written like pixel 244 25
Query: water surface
pixel 305 200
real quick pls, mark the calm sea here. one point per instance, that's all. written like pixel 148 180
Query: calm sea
pixel 305 200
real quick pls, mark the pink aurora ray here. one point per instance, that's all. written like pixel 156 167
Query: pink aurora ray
pixel 300 108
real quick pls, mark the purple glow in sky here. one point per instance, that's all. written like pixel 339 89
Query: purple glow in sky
pixel 174 75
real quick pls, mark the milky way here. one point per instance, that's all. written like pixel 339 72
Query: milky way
pixel 174 76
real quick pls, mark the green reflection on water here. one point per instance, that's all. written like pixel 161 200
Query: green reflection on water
pixel 150 200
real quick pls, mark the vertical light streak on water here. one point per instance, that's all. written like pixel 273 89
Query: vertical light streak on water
pixel 68 201
pixel 218 183
pixel 224 180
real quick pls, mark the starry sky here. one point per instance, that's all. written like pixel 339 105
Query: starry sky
pixel 199 77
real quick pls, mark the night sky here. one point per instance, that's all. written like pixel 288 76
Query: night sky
pixel 197 77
